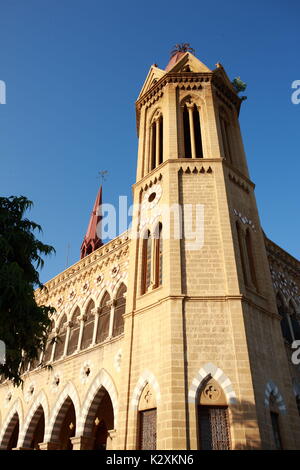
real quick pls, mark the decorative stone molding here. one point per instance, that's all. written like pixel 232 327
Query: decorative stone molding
pixel 286 285
pixel 56 382
pixel 152 197
pixel 30 391
pixel 195 171
pixel 104 380
pixel 86 372
pixel 244 219
pixel 218 375
pixel 146 377
pixel 271 388
pixel 118 360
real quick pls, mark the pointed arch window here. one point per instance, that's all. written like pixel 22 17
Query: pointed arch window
pixel 241 250
pixel 213 420
pixel 156 140
pixel 147 420
pixel 192 131
pixel 225 131
pixel 88 328
pixel 284 322
pixel 158 248
pixel 60 339
pixel 49 343
pixel 295 325
pixel 120 306
pixel 274 415
pixel 74 332
pixel 251 260
pixel 146 262
pixel 104 318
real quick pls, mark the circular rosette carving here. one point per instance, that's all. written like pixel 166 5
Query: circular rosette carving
pixel 152 197
pixel 85 372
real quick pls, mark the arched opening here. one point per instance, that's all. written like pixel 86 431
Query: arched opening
pixel 120 306
pixel 100 420
pixel 11 435
pixel 298 403
pixel 294 321
pixel 225 131
pixel 49 344
pixel 146 262
pixel 36 430
pixel 156 140
pixel 65 426
pixel 241 251
pixel 147 420
pixel 186 133
pixel 153 145
pixel 213 419
pixel 274 416
pixel 104 318
pixel 60 338
pixel 251 260
pixel 88 328
pixel 192 131
pixel 284 322
pixel 74 332
pixel 197 131
pixel 158 249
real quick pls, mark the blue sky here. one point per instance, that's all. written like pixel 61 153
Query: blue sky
pixel 73 70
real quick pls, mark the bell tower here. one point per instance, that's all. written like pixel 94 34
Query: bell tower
pixel 201 315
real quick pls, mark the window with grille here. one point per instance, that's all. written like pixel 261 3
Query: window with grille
pixel 104 317
pixel 74 333
pixel 88 328
pixel 213 428
pixel 276 430
pixel 147 431
pixel 60 339
pixel 120 307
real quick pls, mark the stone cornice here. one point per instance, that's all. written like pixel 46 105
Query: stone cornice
pixel 86 263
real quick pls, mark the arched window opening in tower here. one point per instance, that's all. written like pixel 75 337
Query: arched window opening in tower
pixel 251 260
pixel 186 133
pixel 120 306
pixel 213 420
pixel 158 249
pixel 192 131
pixel 294 321
pixel 274 416
pixel 60 339
pixel 241 251
pixel 74 332
pixel 225 131
pixel 156 135
pixel 284 323
pixel 104 319
pixel 146 262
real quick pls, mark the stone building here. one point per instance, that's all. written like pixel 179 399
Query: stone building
pixel 180 337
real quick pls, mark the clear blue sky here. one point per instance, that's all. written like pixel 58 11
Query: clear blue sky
pixel 73 70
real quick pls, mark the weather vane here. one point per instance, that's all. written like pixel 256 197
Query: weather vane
pixel 102 174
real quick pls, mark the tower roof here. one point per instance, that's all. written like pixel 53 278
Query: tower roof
pixel 91 240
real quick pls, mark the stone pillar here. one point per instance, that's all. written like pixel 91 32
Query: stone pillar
pixel 96 322
pixel 192 130
pixel 82 319
pixel 82 443
pixel 111 439
pixel 67 338
pixel 111 303
pixel 49 446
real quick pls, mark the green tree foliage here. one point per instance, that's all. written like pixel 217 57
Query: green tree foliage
pixel 239 85
pixel 23 323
